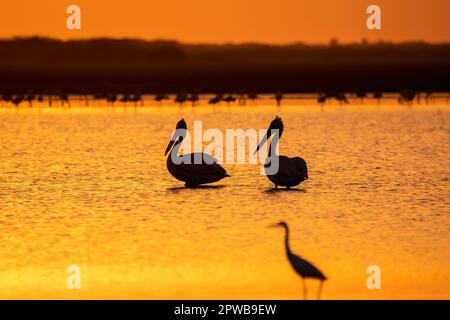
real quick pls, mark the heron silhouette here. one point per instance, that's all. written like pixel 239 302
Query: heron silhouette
pixel 304 268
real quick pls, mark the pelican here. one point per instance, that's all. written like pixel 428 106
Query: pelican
pixel 188 170
pixel 302 267
pixel 291 171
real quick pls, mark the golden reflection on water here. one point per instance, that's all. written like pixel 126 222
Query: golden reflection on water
pixel 89 186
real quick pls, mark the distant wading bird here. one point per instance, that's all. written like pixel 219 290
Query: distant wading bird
pixel 302 267
pixel 194 168
pixel 291 171
pixel 279 97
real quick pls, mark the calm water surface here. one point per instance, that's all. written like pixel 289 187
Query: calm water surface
pixel 89 186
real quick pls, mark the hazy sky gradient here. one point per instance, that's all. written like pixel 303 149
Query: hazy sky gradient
pixel 273 21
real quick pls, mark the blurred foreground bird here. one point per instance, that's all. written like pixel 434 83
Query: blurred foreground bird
pixel 304 268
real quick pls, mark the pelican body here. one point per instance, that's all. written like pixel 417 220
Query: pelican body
pixel 193 169
pixel 302 267
pixel 291 171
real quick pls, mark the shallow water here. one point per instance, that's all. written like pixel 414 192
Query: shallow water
pixel 89 186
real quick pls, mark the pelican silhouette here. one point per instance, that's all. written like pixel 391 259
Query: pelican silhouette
pixel 291 171
pixel 193 169
pixel 302 267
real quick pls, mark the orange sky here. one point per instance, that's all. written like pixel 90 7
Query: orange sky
pixel 274 21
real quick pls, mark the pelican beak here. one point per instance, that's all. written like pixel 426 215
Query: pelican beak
pixel 169 147
pixel 171 143
pixel 264 140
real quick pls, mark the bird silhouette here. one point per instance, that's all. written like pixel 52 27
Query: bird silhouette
pixel 111 98
pixel 181 98
pixel 407 96
pixel 279 97
pixel 230 99
pixel 30 97
pixel 64 98
pixel 216 99
pixel 291 171
pixel 193 169
pixel 7 98
pixel 137 97
pixel 322 98
pixel 18 99
pixel 304 268
pixel 378 95
pixel 161 97
pixel 341 98
pixel 125 98
pixel 361 94
pixel 194 98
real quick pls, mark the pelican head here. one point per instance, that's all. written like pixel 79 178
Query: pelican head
pixel 276 126
pixel 178 135
pixel 280 224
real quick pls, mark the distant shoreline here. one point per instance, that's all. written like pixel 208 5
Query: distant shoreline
pixel 45 65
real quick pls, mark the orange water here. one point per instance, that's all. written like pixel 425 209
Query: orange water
pixel 89 186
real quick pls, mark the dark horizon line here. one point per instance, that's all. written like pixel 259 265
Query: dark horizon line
pixel 331 42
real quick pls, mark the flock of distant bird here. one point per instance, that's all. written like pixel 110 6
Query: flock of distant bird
pixel 195 169
pixel 181 98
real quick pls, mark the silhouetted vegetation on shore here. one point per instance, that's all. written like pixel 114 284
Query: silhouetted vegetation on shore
pixel 108 65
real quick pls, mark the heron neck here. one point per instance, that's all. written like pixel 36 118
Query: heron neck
pixel 286 241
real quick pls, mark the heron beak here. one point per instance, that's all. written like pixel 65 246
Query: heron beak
pixel 264 140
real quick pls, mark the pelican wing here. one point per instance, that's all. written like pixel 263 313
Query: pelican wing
pixel 208 165
pixel 292 168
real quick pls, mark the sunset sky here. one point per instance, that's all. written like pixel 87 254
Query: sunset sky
pixel 272 21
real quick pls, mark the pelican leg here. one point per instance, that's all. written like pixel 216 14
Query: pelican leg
pixel 190 185
pixel 319 293
pixel 305 290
